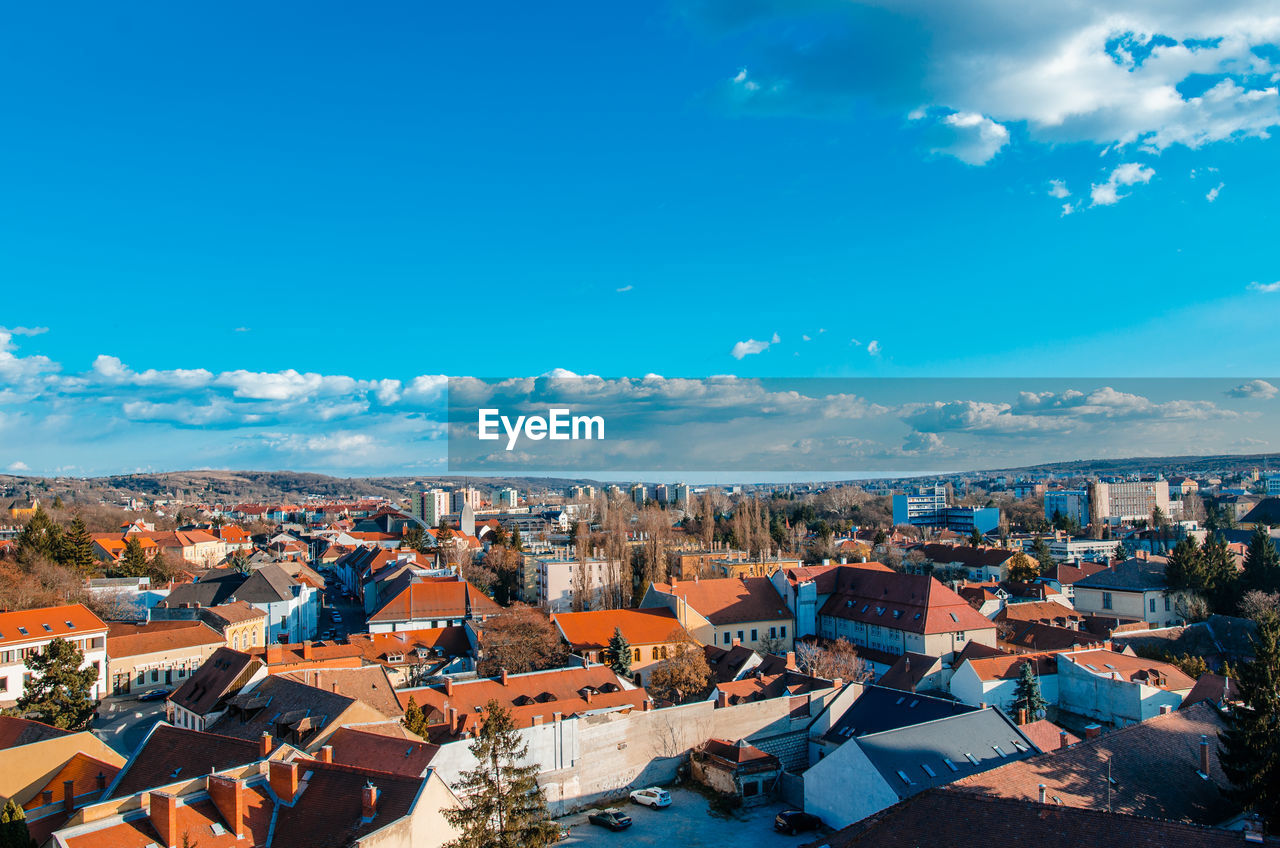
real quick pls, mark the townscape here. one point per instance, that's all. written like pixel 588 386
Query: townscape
pixel 1058 659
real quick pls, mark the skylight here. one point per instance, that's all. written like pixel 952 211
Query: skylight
pixel 47 628
pixel 954 618
pixel 23 631
pixel 998 750
pixel 70 625
pixel 902 774
pixel 971 758
pixel 928 770
pixel 950 764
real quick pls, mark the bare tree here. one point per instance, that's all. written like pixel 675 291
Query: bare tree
pixel 838 659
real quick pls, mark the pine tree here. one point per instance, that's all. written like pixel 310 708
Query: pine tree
pixel 1221 577
pixel 13 827
pixel 516 544
pixel 619 654
pixel 1250 745
pixel 1023 567
pixel 60 691
pixel 1040 550
pixel 133 562
pixel 1027 695
pixel 501 804
pixel 77 547
pixel 1261 563
pixel 40 538
pixel 1186 567
pixel 975 539
pixel 415 718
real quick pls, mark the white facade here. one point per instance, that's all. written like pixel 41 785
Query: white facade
pixel 435 506
pixel 553 581
pixel 976 691
pixel 506 499
pixel 16 647
pixel 1126 502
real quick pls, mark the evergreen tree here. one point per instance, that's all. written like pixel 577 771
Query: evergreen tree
pixel 1186 567
pixel 516 544
pixel 40 538
pixel 57 502
pixel 133 562
pixel 61 685
pixel 1250 749
pixel 1261 563
pixel 1023 567
pixel 415 718
pixel 13 827
pixel 619 653
pixel 502 805
pixel 77 547
pixel 976 539
pixel 1221 577
pixel 1040 550
pixel 1027 695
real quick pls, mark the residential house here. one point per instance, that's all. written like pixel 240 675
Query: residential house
pixel 241 624
pixel 917 673
pixel 977 563
pixel 291 604
pixel 414 602
pixel 411 656
pixel 736 769
pixel 720 611
pixel 1163 768
pixel 27 632
pixel 877 709
pixel 649 632
pixel 993 681
pixel 157 653
pixel 22 508
pixel 1133 589
pixel 1042 612
pixel 549 580
pixel 1118 688
pixel 874 771
pixel 299 656
pixel 203 698
pixel 167 753
pixel 371 749
pixel 1063 577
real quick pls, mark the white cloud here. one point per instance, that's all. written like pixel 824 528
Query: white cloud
pixel 625 288
pixel 1265 288
pixel 1058 189
pixel 970 137
pixel 24 331
pixel 775 339
pixel 1068 208
pixel 1128 174
pixel 1117 73
pixel 242 329
pixel 748 348
pixel 873 347
pixel 805 338
pixel 1259 389
pixel 1214 192
pixel 18 467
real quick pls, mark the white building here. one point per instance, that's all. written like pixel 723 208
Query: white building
pixel 1120 503
pixel 549 580
pixel 639 494
pixel 466 495
pixel 506 499
pixel 434 506
pixel 27 632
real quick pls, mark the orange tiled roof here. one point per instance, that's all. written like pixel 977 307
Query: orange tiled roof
pixel 730 600
pixel 48 623
pixel 1137 669
pixel 126 639
pixel 83 770
pixel 1010 667
pixel 912 602
pixel 593 630
pixel 436 599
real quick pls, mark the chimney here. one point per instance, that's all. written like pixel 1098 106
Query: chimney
pixel 837 682
pixel 1043 793
pixel 736 641
pixel 1092 731
pixel 722 699
pixel 1022 715
pixel 306 650
pixel 162 808
pixel 1204 755
pixel 451 716
pixel 283 778
pixel 265 744
pixel 503 675
pixel 275 653
pixel 791 660
pixel 68 796
pixel 46 797
pixel 369 801
pixel 759 675
pixel 586 696
pixel 982 705
pixel 557 717
pixel 1062 739
pixel 228 795
pixel 646 704
pixel 448 685
pixel 326 754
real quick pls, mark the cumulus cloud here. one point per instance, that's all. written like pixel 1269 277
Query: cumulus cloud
pixel 873 347
pixel 17 467
pixel 752 346
pixel 1213 193
pixel 1058 189
pixel 1265 288
pixel 1128 174
pixel 24 331
pixel 1123 73
pixel 970 137
pixel 1259 389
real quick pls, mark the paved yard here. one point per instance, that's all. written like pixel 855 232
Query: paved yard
pixel 687 822
pixel 123 721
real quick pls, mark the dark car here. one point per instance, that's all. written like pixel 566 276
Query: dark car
pixel 794 821
pixel 610 818
pixel 155 694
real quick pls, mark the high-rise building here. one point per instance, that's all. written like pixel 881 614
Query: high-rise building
pixel 1273 485
pixel 434 506
pixel 506 498
pixel 1070 504
pixel 683 495
pixel 929 506
pixel 465 495
pixel 639 494
pixel 662 493
pixel 1119 503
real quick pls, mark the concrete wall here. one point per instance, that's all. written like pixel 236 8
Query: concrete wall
pixel 1117 702
pixel 589 759
pixel 844 787
pixel 969 688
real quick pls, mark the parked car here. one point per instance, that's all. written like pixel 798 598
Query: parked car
pixel 652 797
pixel 794 821
pixel 611 818
pixel 155 694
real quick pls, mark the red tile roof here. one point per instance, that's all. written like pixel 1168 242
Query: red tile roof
pixel 16 731
pixel 355 747
pixel 48 623
pixel 1045 612
pixel 126 639
pixel 593 630
pixel 1010 667
pixel 379 647
pixel 1047 735
pixel 1161 675
pixel 730 600
pixel 436 599
pixel 911 602
pixel 172 753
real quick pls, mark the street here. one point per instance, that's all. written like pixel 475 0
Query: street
pixel 353 620
pixel 123 721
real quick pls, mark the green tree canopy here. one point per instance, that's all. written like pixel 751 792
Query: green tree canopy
pixel 1261 563
pixel 60 690
pixel 1023 567
pixel 1186 567
pixel 619 653
pixel 77 547
pixel 13 827
pixel 1250 745
pixel 40 538
pixel 133 562
pixel 1027 695
pixel 501 804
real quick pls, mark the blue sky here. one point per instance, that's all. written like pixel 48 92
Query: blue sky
pixel 399 192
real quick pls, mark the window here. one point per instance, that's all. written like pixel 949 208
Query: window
pixel 4 684
pixel 142 677
pixel 755 637
pixel 1166 603
pixel 782 631
pixel 637 657
pixel 739 635
pixel 750 787
pixel 726 637
pixel 1153 604
pixel 773 632
pixel 1106 600
pixel 655 652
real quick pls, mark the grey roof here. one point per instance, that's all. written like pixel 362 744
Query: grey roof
pixel 268 585
pixel 879 709
pixel 213 587
pixel 972 743
pixel 1219 636
pixel 277 706
pixel 1266 512
pixel 1132 575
